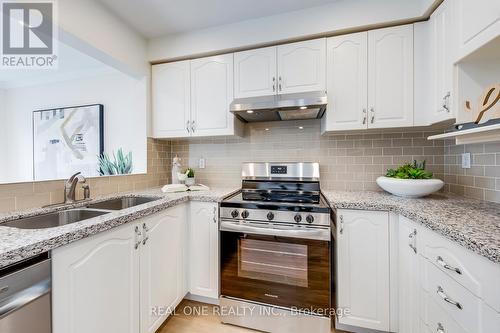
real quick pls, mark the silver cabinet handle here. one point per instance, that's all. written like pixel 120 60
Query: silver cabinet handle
pixel 193 126
pixel 341 230
pixel 274 84
pixel 146 236
pixel 440 328
pixel 445 297
pixel 364 116
pixel 187 127
pixel 440 261
pixel 412 238
pixel 215 214
pixel 137 236
pixel 372 111
pixel 445 101
pixel 279 84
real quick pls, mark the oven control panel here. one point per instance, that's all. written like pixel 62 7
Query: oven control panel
pixel 279 170
pixel 275 216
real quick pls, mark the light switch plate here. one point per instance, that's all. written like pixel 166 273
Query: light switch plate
pixel 201 163
pixel 466 161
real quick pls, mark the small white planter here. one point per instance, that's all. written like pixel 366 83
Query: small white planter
pixel 410 188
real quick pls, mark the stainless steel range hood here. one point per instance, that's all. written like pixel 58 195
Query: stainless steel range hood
pixel 299 106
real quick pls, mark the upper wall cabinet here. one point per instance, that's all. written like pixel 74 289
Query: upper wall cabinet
pixel 347 82
pixel 390 77
pixel 171 99
pixel 370 80
pixel 191 98
pixel 255 73
pixel 302 66
pixel 478 22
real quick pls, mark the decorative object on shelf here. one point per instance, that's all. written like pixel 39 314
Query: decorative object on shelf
pixel 488 106
pixel 176 169
pixel 410 181
pixel 122 164
pixel 190 177
pixel 67 140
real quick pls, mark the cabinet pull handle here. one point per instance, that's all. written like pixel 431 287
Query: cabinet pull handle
pixel 364 116
pixel 412 240
pixel 440 328
pixel 279 84
pixel 215 214
pixel 193 126
pixel 445 101
pixel 274 84
pixel 445 297
pixel 187 127
pixel 146 236
pixel 445 265
pixel 137 236
pixel 341 230
pixel 372 111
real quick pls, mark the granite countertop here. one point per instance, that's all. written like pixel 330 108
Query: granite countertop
pixel 18 244
pixel 474 224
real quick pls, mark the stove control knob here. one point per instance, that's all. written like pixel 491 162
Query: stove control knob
pixel 297 218
pixel 244 214
pixel 310 219
pixel 235 214
pixel 270 216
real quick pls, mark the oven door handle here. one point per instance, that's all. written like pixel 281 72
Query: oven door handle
pixel 309 233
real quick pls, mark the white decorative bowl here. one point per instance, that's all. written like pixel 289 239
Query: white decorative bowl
pixel 410 188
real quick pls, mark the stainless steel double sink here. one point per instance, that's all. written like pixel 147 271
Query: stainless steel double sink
pixel 69 216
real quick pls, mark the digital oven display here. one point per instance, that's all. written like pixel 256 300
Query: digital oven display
pixel 278 170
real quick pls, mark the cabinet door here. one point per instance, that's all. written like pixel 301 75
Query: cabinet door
pixel 408 286
pixel 204 249
pixel 347 65
pixel 255 73
pixel 171 100
pixel 442 31
pixel 390 77
pixel 211 95
pixel 302 66
pixel 96 284
pixel 162 266
pixel 363 268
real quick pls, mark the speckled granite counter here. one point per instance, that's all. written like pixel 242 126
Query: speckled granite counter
pixel 18 244
pixel 471 223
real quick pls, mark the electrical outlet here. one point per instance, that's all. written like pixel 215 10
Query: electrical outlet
pixel 466 161
pixel 201 163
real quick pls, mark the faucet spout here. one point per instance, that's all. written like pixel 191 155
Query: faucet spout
pixel 70 187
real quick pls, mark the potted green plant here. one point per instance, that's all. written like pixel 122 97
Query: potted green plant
pixel 410 180
pixel 190 177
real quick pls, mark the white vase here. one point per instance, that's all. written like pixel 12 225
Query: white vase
pixel 190 181
pixel 410 188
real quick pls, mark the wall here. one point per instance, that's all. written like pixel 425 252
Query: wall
pixel 482 180
pixel 36 194
pixel 3 151
pixel 348 161
pixel 123 98
pixel 335 17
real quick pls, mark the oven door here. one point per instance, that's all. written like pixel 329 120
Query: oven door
pixel 276 265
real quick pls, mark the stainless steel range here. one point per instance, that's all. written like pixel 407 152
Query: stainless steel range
pixel 275 250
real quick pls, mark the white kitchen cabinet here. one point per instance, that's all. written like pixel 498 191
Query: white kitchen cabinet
pixel 171 93
pixel 95 284
pixel 363 270
pixel 204 249
pixel 163 266
pixel 347 82
pixel 302 66
pixel 478 22
pixel 408 284
pixel 255 72
pixel 390 77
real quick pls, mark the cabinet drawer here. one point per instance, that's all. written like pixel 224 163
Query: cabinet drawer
pixel 479 275
pixel 445 296
pixel 437 320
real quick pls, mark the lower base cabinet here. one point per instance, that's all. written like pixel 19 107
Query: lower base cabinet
pixel 125 280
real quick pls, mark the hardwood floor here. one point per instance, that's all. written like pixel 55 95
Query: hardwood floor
pixel 194 317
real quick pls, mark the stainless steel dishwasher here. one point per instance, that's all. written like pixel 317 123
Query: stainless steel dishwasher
pixel 25 302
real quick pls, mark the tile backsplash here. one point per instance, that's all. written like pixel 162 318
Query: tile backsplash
pixel 35 194
pixel 482 180
pixel 348 161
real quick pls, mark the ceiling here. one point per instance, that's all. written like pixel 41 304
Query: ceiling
pixel 154 18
